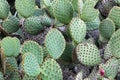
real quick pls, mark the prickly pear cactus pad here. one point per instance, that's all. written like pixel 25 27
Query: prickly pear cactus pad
pixel 34 48
pixel 115 15
pixel 107 52
pixel 30 64
pixel 77 29
pixel 79 76
pixel 4 9
pixel 92 25
pixel 107 28
pixel 110 68
pixel 10 46
pixel 11 24
pixel 52 70
pixel 25 7
pixel 114 43
pixel 88 11
pixel 26 77
pixel 55 43
pixel 63 11
pixel 33 25
pixel 88 54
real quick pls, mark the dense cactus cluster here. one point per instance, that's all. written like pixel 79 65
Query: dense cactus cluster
pixel 36 36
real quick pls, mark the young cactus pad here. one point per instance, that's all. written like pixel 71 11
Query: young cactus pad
pixel 55 43
pixel 88 11
pixel 34 48
pixel 52 70
pixel 114 15
pixel 107 52
pixel 11 24
pixel 107 28
pixel 88 54
pixel 63 11
pixel 10 46
pixel 25 7
pixel 114 43
pixel 77 29
pixel 110 68
pixel 4 9
pixel 33 25
pixel 30 64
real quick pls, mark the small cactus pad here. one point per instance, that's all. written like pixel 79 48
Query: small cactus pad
pixel 55 43
pixel 67 54
pixel 107 52
pixel 33 47
pixel 30 64
pixel 114 15
pixel 107 28
pixel 4 9
pixel 52 70
pixel 77 29
pixel 79 76
pixel 63 11
pixel 10 46
pixel 33 25
pixel 11 24
pixel 88 11
pixel 114 43
pixel 88 54
pixel 110 68
pixel 25 7
pixel 92 25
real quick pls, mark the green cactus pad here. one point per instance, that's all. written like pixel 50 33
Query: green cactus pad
pixel 107 28
pixel 55 43
pixel 30 64
pixel 11 24
pixel 77 29
pixel 33 25
pixel 114 43
pixel 4 9
pixel 114 15
pixel 92 25
pixel 25 7
pixel 38 12
pixel 52 70
pixel 34 48
pixel 88 54
pixel 80 6
pixel 67 54
pixel 107 52
pixel 10 46
pixel 26 77
pixel 88 11
pixel 46 21
pixel 63 11
pixel 110 68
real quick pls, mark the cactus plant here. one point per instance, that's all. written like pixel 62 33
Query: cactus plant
pixel 10 46
pixel 114 15
pixel 55 43
pixel 11 24
pixel 77 29
pixel 34 48
pixel 79 76
pixel 107 28
pixel 110 68
pixel 4 9
pixel 53 71
pixel 63 11
pixel 26 77
pixel 1 76
pixel 33 25
pixel 114 44
pixel 25 7
pixel 30 64
pixel 107 52
pixel 88 54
